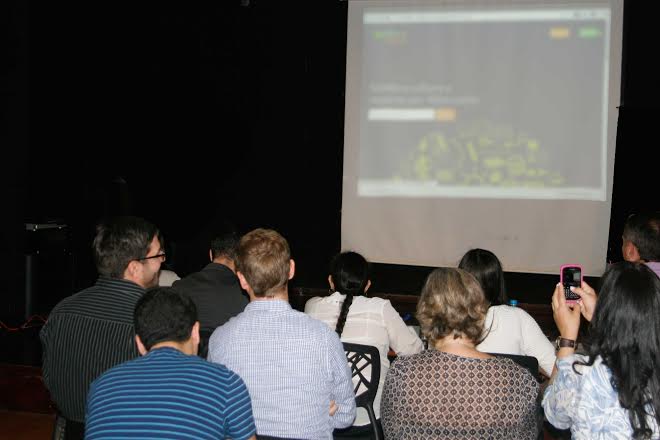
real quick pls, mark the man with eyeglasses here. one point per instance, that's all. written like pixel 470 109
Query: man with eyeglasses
pixel 92 331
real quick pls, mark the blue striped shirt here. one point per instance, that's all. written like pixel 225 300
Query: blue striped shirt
pixel 293 366
pixel 167 394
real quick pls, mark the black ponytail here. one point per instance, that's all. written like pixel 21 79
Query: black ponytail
pixel 350 275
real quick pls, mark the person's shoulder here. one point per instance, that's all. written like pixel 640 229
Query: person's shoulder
pixel 372 301
pixel 315 300
pixel 509 313
pixel 72 303
pixel 124 369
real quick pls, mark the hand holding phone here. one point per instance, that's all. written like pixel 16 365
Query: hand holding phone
pixel 571 276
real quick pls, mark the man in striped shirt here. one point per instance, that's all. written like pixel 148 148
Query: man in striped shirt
pixel 169 392
pixel 91 331
pixel 294 366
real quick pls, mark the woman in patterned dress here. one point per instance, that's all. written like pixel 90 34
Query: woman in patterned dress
pixel 453 391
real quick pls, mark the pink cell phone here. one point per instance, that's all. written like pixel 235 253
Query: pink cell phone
pixel 571 275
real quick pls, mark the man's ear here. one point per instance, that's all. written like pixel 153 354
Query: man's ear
pixel 332 285
pixel 140 346
pixel 210 254
pixel 194 336
pixel 133 271
pixel 292 268
pixel 630 251
pixel 367 286
pixel 241 279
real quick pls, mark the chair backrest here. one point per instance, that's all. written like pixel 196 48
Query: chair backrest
pixel 529 362
pixel 360 358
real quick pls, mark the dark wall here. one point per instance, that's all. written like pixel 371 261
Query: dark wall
pixel 195 116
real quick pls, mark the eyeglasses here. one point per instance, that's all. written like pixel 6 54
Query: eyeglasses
pixel 161 256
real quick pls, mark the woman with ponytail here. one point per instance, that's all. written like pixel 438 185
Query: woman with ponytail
pixel 362 320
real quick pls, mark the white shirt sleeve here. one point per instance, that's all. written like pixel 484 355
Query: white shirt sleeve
pixel 403 340
pixel 535 343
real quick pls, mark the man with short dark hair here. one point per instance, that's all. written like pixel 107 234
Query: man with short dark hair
pixel 293 365
pixel 169 392
pixel 215 289
pixel 641 239
pixel 91 331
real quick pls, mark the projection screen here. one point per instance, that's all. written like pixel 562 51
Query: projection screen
pixel 486 124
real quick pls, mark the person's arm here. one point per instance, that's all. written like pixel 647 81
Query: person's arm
pixel 402 340
pixel 535 343
pixel 342 384
pixel 559 400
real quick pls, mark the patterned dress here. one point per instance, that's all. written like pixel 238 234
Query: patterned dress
pixel 440 395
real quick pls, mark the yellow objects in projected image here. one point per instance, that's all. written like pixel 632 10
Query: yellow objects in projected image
pixel 560 32
pixel 446 114
pixel 482 153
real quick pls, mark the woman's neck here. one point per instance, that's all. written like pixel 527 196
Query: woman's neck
pixel 460 346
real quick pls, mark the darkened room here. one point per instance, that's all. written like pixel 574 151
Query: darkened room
pixel 207 116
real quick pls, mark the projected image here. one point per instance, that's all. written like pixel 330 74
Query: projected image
pixel 507 104
pixel 485 155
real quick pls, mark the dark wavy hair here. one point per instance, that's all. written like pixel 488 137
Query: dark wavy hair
pixel 350 275
pixel 487 269
pixel 625 333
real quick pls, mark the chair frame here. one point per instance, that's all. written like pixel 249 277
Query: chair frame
pixel 360 357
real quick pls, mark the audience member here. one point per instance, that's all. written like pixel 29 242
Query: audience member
pixel 91 331
pixel 614 390
pixel 641 240
pixel 293 365
pixel 168 392
pixel 215 289
pixel 362 320
pixel 452 390
pixel 507 329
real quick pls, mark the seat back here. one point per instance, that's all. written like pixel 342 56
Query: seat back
pixel 528 362
pixel 361 359
pixel 364 361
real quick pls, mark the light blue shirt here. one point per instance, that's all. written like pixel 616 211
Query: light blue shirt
pixel 292 365
pixel 586 403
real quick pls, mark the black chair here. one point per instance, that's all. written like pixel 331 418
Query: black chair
pixel 532 365
pixel 529 362
pixel 65 429
pixel 360 358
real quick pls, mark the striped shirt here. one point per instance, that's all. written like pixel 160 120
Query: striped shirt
pixel 293 366
pixel 85 335
pixel 167 394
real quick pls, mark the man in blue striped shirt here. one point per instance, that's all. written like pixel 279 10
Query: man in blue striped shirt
pixel 169 392
pixel 294 366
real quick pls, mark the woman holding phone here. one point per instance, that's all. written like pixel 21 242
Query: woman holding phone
pixel 613 391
